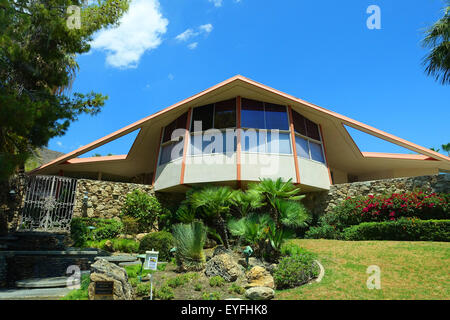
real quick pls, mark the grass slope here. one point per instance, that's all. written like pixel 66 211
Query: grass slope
pixel 409 270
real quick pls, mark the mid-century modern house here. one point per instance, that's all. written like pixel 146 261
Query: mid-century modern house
pixel 239 131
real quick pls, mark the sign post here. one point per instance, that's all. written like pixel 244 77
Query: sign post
pixel 151 263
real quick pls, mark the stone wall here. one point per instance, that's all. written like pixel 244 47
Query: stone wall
pixel 105 198
pixel 323 202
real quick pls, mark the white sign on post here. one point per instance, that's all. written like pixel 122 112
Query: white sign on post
pixel 151 260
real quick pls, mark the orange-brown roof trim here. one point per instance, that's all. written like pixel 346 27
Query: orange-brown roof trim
pixel 348 121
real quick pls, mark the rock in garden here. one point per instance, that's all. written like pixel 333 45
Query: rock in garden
pixel 259 277
pixel 260 293
pixel 252 262
pixel 140 236
pixel 221 250
pixel 103 270
pixel 225 266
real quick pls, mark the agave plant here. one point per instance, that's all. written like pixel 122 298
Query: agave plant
pixel 189 241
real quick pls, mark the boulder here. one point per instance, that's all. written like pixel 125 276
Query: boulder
pixel 140 236
pixel 252 262
pixel 108 246
pixel 221 250
pixel 103 270
pixel 260 293
pixel 259 277
pixel 225 266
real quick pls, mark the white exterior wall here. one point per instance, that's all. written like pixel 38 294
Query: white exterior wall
pixel 255 166
pixel 168 174
pixel 313 173
pixel 210 168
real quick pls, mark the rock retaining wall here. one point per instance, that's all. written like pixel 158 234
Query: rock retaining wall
pixel 105 198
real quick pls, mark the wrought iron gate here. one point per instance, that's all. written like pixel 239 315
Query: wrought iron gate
pixel 49 203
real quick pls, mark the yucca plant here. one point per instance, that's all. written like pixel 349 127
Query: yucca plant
pixel 189 241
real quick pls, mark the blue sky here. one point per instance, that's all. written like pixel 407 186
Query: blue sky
pixel 320 51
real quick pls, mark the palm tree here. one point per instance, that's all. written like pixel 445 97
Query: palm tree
pixel 446 147
pixel 213 205
pixel 437 62
pixel 274 191
pixel 435 149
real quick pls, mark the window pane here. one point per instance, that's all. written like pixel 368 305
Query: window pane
pixel 302 147
pixel 203 114
pixel 225 114
pixel 196 144
pixel 252 114
pixel 312 130
pixel 179 123
pixel 316 152
pixel 299 123
pixel 232 142
pixel 280 144
pixel 166 152
pixel 276 117
pixel 253 141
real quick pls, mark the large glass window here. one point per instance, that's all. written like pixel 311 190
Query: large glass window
pixel 252 114
pixel 278 143
pixel 276 117
pixel 308 141
pixel 220 115
pixel 173 149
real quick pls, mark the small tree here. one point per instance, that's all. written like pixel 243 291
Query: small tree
pixel 143 207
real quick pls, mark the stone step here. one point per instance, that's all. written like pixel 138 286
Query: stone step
pixel 34 294
pixel 119 258
pixel 53 282
pixel 130 263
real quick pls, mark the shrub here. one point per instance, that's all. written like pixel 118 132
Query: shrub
pixel 181 280
pixel 130 225
pixel 189 240
pixel 104 229
pixel 79 232
pixel 164 293
pixel 161 241
pixel 323 231
pixel 143 207
pixel 216 281
pixel 234 288
pixel 293 271
pixel 425 206
pixel 143 289
pixel 198 287
pixel 406 229
pixel 211 296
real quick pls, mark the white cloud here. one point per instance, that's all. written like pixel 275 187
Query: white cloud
pixel 206 28
pixel 140 30
pixel 217 3
pixel 193 45
pixel 186 35
pixel 59 143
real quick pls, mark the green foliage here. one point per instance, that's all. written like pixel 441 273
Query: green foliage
pixel 181 280
pixel 161 241
pixel 198 287
pixel 437 62
pixel 295 270
pixel 143 289
pixel 104 229
pixel 405 229
pixel 211 296
pixel 82 293
pixel 143 207
pixel 130 225
pixel 234 288
pixel 189 241
pixel 216 281
pixel 116 245
pixel 37 66
pixel 79 232
pixel 323 231
pixel 165 293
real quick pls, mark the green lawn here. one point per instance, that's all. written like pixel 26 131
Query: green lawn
pixel 409 270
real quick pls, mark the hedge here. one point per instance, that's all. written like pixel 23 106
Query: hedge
pixel 104 229
pixel 402 229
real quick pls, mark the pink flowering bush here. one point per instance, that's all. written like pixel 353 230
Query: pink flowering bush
pixel 381 208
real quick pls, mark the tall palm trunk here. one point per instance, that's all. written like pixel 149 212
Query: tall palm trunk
pixel 220 223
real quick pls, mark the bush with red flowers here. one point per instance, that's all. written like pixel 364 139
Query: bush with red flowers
pixel 381 208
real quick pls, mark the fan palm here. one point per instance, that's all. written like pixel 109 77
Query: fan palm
pixel 213 205
pixel 438 39
pixel 446 147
